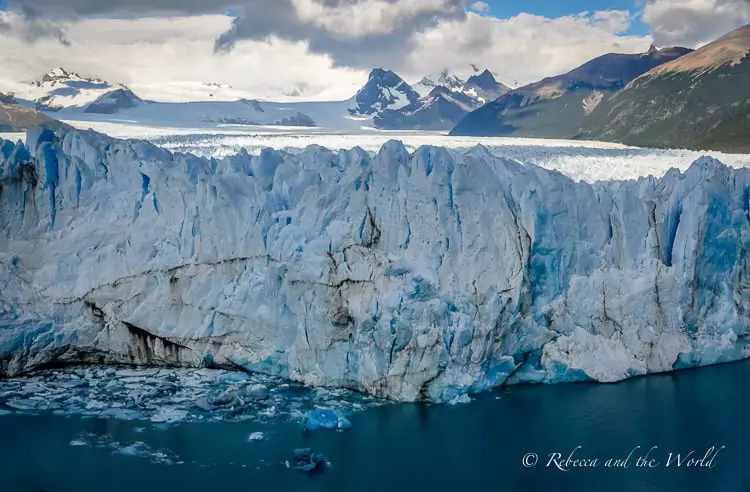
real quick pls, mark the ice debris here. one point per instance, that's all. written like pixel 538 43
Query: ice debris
pixel 136 449
pixel 168 396
pixel 256 436
pixel 307 461
pixel 326 418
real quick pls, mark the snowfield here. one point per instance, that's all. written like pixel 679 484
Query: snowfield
pixel 413 275
pixel 581 160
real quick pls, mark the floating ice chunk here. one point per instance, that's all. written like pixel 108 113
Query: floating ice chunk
pixel 121 414
pixel 167 415
pixel 21 404
pixel 5 412
pixel 307 461
pixel 326 418
pixel 256 392
pixel 256 436
pixel 461 399
pixel 78 442
pixel 233 377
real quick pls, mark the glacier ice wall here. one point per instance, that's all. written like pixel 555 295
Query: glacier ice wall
pixel 422 276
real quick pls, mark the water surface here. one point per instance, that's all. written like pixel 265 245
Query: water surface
pixel 404 447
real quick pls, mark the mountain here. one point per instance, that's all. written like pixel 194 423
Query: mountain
pixel 60 89
pixel 443 79
pixel 556 106
pixel 383 90
pixel 441 109
pixel 113 101
pixel 484 87
pixel 447 102
pixel 14 117
pixel 699 101
pixel 71 97
pixel 414 276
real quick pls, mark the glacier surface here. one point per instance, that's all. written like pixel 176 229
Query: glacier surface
pixel 412 276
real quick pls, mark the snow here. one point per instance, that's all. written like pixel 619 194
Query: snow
pixel 212 116
pixel 581 160
pixel 62 89
pixel 429 273
pixel 394 94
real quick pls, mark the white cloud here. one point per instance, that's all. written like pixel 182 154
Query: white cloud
pixel 694 22
pixel 480 7
pixel 162 57
pixel 527 47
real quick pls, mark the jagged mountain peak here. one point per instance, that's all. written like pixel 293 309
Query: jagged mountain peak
pixel 384 90
pixel 61 75
pixel 485 78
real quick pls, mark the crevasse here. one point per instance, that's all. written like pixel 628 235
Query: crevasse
pixel 422 276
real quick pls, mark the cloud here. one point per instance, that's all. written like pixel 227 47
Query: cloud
pixel 83 8
pixel 524 48
pixel 346 29
pixel 30 26
pixel 325 47
pixel 168 58
pixel 342 29
pixel 480 7
pixel 694 22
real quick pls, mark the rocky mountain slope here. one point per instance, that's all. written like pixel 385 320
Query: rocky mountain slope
pixel 556 107
pixel 419 276
pixel 14 117
pixel 700 101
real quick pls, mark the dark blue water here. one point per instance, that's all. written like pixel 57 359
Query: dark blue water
pixel 478 446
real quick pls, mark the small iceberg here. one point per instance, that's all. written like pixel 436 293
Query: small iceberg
pixel 256 436
pixel 326 418
pixel 459 400
pixel 307 461
pixel 233 378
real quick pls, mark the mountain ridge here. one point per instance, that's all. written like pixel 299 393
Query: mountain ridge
pixel 555 106
pixel 700 101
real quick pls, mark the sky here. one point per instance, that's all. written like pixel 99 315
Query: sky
pixel 324 49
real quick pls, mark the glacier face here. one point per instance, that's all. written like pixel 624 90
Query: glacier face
pixel 410 276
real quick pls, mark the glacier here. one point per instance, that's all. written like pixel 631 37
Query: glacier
pixel 412 276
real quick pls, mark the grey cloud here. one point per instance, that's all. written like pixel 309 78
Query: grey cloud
pixel 73 8
pixel 259 19
pixel 31 26
pixel 377 49
pixel 677 23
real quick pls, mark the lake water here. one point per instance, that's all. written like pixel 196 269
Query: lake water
pixel 405 447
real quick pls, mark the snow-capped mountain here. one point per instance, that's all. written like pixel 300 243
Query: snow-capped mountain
pixel 484 87
pixel 383 90
pixel 60 89
pixel 441 109
pixel 443 79
pixel 444 101
pixel 386 101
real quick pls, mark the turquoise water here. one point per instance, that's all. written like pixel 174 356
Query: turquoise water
pixel 404 447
